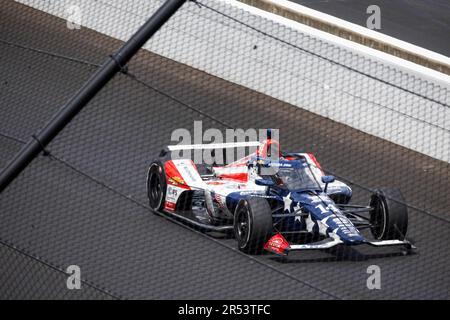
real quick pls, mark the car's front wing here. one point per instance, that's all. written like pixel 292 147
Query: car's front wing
pixel 277 244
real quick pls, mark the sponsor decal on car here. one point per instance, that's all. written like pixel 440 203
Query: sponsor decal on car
pixel 280 164
pixel 170 206
pixel 215 183
pixel 176 180
pixel 173 193
pixel 277 244
pixel 256 195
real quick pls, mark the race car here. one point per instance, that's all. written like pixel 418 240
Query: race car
pixel 262 198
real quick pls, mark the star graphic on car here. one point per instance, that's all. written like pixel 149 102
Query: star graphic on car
pixel 287 202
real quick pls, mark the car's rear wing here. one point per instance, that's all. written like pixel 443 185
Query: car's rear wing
pixel 214 145
pixel 219 150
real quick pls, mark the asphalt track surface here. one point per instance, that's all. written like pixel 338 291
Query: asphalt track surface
pixel 87 203
pixel 423 23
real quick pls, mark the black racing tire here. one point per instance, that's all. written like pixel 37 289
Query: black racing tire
pixel 252 224
pixel 389 217
pixel 156 186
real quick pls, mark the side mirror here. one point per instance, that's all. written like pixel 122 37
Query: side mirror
pixel 264 182
pixel 327 180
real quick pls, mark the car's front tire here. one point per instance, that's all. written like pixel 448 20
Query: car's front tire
pixel 156 186
pixel 252 224
pixel 389 217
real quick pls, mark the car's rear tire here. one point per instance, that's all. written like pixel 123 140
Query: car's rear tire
pixel 252 224
pixel 389 217
pixel 156 186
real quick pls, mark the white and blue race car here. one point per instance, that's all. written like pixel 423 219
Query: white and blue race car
pixel 262 199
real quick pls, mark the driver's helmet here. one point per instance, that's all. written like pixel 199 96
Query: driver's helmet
pixel 286 176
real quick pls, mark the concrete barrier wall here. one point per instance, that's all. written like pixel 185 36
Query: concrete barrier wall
pixel 361 87
pixel 353 32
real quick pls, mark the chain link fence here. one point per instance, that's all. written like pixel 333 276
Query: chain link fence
pixel 368 123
